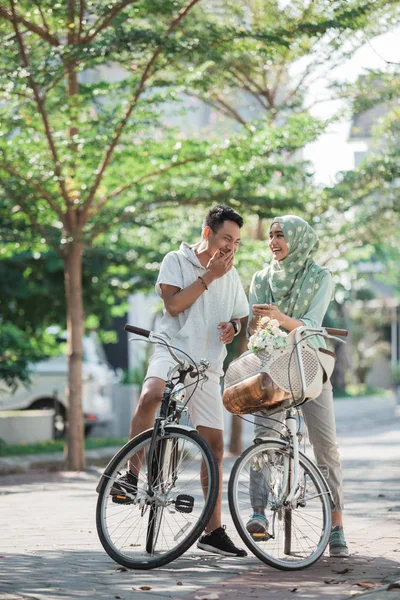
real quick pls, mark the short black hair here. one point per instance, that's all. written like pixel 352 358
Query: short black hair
pixel 217 215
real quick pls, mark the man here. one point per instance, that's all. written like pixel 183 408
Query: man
pixel 203 302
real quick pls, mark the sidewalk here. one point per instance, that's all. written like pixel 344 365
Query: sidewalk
pixel 50 550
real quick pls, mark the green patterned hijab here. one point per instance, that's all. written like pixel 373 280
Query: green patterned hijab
pixel 294 280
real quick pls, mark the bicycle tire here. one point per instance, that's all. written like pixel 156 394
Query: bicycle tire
pixel 312 513
pixel 123 529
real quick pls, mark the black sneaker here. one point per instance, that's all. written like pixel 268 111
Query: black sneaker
pixel 124 489
pixel 219 542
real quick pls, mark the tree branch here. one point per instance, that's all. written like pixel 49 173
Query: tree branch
pixel 15 173
pixel 45 24
pixel 97 208
pixel 121 125
pixel 40 105
pixel 228 108
pixel 24 207
pixel 99 26
pixel 251 92
pixel 81 17
pixel 15 19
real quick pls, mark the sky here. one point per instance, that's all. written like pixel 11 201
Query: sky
pixel 332 152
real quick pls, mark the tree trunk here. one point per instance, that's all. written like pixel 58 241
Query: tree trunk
pixel 235 439
pixel 75 451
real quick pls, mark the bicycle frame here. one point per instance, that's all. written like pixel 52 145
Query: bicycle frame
pixel 290 414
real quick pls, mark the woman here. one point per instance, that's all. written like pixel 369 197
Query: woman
pixel 296 291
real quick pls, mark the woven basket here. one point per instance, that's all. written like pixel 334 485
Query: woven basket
pixel 270 381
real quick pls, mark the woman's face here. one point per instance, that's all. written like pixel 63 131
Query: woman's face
pixel 277 242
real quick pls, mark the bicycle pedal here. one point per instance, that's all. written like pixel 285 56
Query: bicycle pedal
pixel 184 503
pixel 261 537
pixel 122 500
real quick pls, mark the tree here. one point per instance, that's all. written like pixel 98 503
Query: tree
pixel 84 155
pixel 79 158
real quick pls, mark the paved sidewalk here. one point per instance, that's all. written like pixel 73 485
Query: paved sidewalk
pixel 50 550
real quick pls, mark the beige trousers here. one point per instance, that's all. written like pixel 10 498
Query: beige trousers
pixel 319 417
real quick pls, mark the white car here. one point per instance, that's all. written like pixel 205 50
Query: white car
pixel 47 388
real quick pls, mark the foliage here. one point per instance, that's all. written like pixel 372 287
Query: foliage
pixel 396 373
pixel 56 446
pixel 18 349
pixel 91 157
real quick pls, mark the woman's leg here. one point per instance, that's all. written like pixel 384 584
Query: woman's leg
pixel 259 481
pixel 319 416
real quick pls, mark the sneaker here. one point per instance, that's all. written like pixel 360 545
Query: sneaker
pixel 219 542
pixel 124 489
pixel 257 527
pixel 337 543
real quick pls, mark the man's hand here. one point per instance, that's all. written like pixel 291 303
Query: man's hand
pixel 227 332
pixel 220 264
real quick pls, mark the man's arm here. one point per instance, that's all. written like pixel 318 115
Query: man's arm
pixel 176 300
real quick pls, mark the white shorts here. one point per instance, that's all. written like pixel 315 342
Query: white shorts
pixel 205 405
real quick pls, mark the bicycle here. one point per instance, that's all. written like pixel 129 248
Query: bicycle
pixel 156 522
pixel 295 491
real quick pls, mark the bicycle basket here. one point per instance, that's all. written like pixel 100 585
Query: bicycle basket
pixel 271 380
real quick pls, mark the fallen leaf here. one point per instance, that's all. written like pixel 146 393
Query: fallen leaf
pixel 331 581
pixel 145 588
pixel 179 583
pixel 121 569
pixel 366 585
pixel 342 572
pixel 381 496
pixel 395 585
pixel 294 590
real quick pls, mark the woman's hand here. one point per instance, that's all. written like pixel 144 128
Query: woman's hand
pixel 268 310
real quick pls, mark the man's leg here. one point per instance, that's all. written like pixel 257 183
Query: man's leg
pixel 125 487
pixel 215 439
pixel 215 539
pixel 143 418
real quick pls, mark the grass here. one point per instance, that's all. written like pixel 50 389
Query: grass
pixel 354 390
pixel 56 446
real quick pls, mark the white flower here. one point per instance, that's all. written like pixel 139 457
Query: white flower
pixel 276 331
pixel 274 323
pixel 259 343
pixel 265 320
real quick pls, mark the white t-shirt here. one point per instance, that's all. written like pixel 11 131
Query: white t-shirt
pixel 195 330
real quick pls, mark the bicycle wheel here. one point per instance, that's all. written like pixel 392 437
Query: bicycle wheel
pixel 298 533
pixel 156 528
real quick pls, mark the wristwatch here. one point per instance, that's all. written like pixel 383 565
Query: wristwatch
pixel 235 327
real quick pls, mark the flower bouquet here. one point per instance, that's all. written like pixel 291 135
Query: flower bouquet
pixel 268 336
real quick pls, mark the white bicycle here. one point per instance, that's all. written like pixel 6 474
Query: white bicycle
pixel 295 492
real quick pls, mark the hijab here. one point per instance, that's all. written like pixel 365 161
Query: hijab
pixel 293 281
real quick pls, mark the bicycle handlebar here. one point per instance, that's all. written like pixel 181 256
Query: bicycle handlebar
pixel 137 330
pixel 337 332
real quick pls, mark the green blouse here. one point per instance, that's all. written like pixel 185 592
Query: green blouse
pixel 316 310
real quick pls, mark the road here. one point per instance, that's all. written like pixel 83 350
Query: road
pixel 50 548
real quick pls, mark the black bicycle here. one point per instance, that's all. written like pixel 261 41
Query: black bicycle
pixel 155 522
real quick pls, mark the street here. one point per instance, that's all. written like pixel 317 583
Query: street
pixel 50 547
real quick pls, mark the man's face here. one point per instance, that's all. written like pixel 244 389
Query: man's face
pixel 225 239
